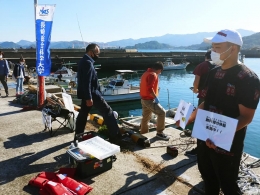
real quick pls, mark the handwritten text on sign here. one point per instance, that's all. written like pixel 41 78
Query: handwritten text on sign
pixel 183 113
pixel 218 128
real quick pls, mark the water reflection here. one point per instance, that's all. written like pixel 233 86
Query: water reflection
pixel 168 74
pixel 124 109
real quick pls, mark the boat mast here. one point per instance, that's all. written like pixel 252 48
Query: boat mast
pixel 80 32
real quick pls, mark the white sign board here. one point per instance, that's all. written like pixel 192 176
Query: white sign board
pixel 183 113
pixel 218 128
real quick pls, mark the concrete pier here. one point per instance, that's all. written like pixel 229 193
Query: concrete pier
pixel 26 151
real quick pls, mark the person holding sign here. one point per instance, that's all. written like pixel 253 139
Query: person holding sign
pixel 149 89
pixel 231 91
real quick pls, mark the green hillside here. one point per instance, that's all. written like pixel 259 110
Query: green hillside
pixel 150 45
pixel 251 41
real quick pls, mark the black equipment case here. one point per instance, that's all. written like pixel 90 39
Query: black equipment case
pixel 85 164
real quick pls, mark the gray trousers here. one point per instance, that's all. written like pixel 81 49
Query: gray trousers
pixel 149 107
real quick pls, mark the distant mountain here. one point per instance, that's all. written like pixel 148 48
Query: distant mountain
pixel 68 44
pixel 9 45
pixel 249 42
pixel 201 46
pixel 189 41
pixel 252 41
pixel 174 39
pixel 25 43
pixel 150 45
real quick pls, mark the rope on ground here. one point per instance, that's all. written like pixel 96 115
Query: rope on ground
pixel 248 182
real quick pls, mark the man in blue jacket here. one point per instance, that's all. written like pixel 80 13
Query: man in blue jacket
pixel 88 90
pixel 4 70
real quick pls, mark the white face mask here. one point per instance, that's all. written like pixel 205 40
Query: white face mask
pixel 215 57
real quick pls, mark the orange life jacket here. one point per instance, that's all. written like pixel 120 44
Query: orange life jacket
pixel 145 87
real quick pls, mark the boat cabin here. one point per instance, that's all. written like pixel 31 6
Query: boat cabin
pixel 119 84
pixel 168 61
pixel 119 81
pixel 64 72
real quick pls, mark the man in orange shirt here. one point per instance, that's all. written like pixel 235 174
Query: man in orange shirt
pixel 150 102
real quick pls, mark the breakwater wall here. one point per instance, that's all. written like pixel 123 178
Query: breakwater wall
pixel 113 59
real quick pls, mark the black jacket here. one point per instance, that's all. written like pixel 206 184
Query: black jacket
pixel 87 78
pixel 17 70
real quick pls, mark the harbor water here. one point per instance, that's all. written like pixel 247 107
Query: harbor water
pixel 175 85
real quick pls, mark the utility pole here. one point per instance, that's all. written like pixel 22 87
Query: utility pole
pixel 41 81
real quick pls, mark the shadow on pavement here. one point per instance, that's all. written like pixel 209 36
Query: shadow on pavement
pixel 10 113
pixel 23 139
pixel 24 164
pixel 165 175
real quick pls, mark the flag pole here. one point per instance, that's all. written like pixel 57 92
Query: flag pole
pixel 41 81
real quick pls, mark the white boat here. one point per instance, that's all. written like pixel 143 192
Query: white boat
pixel 168 64
pixel 119 89
pixel 116 89
pixel 64 73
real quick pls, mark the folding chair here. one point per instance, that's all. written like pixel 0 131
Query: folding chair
pixel 69 105
pixel 52 113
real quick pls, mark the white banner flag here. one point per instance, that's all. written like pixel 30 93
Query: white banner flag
pixel 44 18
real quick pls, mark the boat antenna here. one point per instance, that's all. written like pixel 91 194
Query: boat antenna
pixel 80 32
pixel 168 99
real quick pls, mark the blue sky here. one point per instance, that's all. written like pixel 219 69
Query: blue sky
pixel 109 20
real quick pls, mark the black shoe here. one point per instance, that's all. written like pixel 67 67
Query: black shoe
pixel 192 152
pixel 163 136
pixel 7 95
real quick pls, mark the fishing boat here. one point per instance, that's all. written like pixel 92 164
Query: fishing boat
pixel 168 64
pixel 116 88
pixel 64 73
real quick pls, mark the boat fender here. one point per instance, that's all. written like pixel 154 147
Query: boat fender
pixel 97 119
pixel 103 92
pixel 115 114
